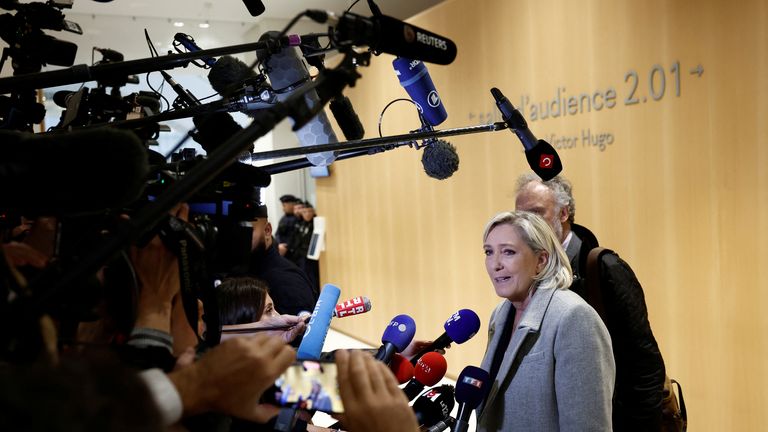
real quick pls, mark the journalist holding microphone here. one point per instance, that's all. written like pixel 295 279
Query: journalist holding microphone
pixel 549 355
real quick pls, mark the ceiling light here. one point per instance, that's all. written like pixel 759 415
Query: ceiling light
pixel 178 24
pixel 204 25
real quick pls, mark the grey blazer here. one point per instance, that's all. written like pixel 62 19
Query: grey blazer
pixel 563 377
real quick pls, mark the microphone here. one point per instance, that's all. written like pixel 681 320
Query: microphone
pixel 255 7
pixel 320 321
pixel 459 328
pixel 185 96
pixel 414 77
pixel 62 97
pixel 434 405
pixel 385 34
pixel 110 55
pixel 53 173
pixel 442 425
pixel 397 336
pixel 340 105
pixel 439 158
pixel 214 129
pixel 353 306
pixel 189 43
pixel 429 370
pixel 542 157
pixel 346 118
pixel 287 72
pixel 471 388
pixel 227 72
pixel 402 368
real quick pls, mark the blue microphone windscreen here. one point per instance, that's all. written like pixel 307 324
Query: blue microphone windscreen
pixel 462 325
pixel 318 325
pixel 472 386
pixel 400 332
pixel 414 77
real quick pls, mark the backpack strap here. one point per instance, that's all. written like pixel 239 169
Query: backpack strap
pixel 683 411
pixel 594 294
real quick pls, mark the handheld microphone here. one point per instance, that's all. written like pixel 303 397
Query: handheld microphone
pixel 459 328
pixel 434 405
pixel 471 388
pixel 287 72
pixel 53 173
pixel 402 368
pixel 353 306
pixel 429 370
pixel 397 336
pixel 317 328
pixel 384 34
pixel 414 77
pixel 542 157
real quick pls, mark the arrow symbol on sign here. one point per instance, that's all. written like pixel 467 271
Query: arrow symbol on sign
pixel 698 70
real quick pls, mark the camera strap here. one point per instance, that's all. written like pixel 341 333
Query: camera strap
pixel 180 238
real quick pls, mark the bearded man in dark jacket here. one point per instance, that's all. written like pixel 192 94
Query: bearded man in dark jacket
pixel 639 366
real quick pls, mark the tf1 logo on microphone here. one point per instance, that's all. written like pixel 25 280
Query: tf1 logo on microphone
pixel 545 160
pixel 472 381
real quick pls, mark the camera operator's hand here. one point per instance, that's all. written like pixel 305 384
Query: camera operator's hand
pixel 372 400
pixel 158 272
pixel 20 255
pixel 231 377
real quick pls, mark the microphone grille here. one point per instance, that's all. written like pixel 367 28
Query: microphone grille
pixel 440 159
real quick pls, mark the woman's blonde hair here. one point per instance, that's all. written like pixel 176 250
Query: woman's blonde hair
pixel 538 235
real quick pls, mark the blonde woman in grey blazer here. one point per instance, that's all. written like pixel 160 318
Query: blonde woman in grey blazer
pixel 549 354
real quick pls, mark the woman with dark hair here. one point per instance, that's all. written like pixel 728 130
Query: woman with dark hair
pixel 245 307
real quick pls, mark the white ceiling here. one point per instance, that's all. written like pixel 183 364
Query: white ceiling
pixel 235 10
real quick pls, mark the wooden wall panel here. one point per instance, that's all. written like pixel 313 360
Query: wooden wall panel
pixel 681 193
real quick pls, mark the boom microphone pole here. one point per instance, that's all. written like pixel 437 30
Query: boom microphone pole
pixel 396 140
pixel 295 164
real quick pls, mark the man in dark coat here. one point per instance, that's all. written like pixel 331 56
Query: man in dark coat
pixel 287 223
pixel 289 286
pixel 639 365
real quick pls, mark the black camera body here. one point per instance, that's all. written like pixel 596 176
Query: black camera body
pixel 28 46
